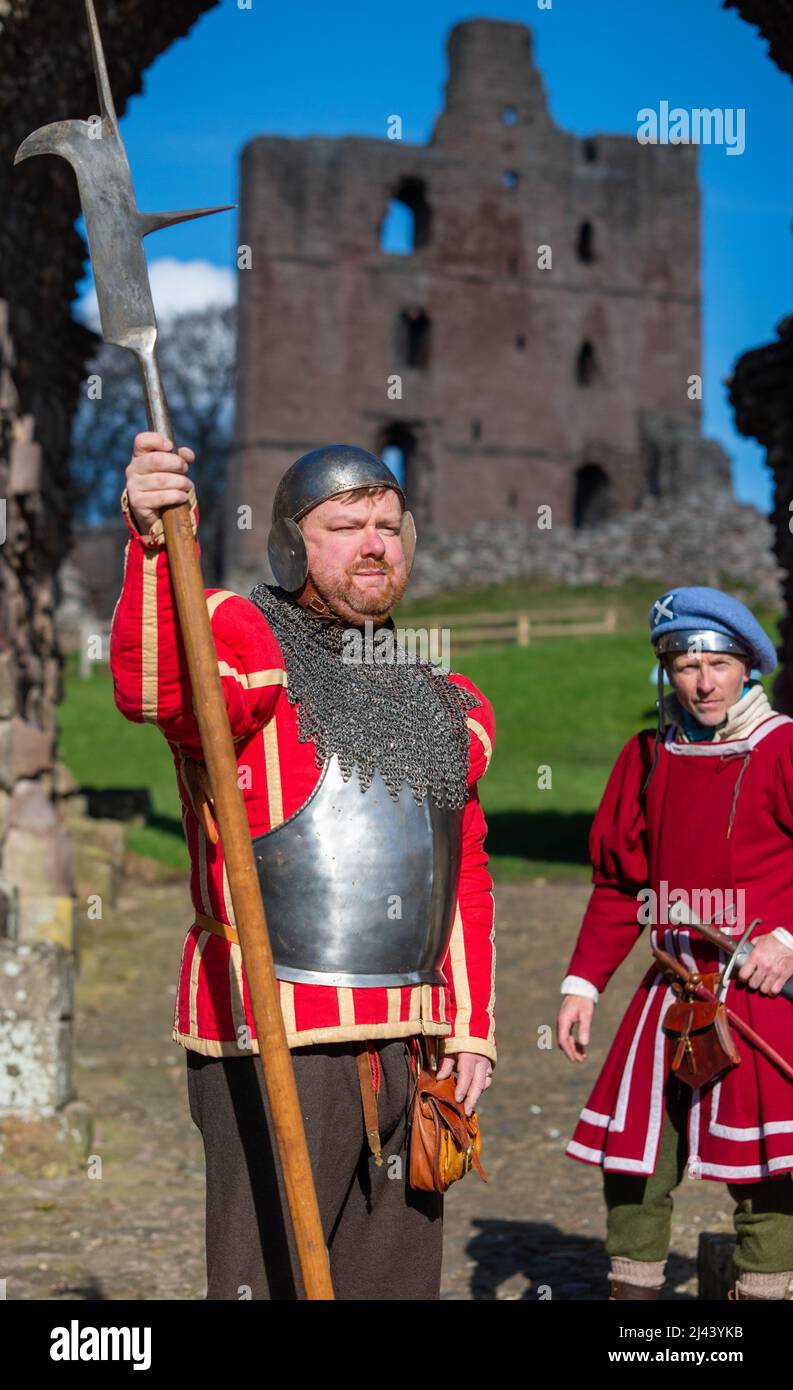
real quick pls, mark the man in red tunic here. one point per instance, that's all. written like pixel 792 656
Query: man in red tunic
pixel 696 824
pixel 360 784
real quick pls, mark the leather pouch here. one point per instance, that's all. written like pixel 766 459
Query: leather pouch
pixel 444 1142
pixel 703 1043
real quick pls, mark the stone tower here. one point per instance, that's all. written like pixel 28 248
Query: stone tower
pixel 530 348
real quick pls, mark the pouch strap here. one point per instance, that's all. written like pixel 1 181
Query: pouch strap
pixel 364 1062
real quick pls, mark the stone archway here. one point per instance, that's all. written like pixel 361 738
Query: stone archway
pixel 592 498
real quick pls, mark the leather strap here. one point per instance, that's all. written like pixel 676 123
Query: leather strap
pixel 219 928
pixel 369 1100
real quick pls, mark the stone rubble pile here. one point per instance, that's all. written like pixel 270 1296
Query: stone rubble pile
pixel 706 540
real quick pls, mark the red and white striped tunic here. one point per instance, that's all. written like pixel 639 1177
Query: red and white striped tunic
pixel 276 774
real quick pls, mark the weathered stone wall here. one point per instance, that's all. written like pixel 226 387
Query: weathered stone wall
pixel 45 75
pixel 760 389
pixel 493 419
pixel 705 540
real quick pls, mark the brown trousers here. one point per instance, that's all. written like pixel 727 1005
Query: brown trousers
pixel 384 1237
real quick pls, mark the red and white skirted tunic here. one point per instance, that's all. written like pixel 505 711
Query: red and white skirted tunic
pixel 277 773
pixel 740 1127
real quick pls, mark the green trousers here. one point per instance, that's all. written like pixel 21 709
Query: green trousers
pixel 639 1221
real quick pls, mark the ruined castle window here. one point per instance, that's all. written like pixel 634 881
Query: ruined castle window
pixel 586 367
pixel 512 265
pixel 509 178
pixel 586 242
pixel 393 457
pixel 406 225
pixel 476 429
pixel 512 498
pixel 590 151
pixel 508 115
pixel 592 501
pixel 412 338
pixel 520 341
pixel 397 448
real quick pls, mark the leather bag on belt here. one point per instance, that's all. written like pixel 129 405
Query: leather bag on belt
pixel 445 1143
pixel 700 1032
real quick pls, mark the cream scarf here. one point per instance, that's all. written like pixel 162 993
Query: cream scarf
pixel 742 717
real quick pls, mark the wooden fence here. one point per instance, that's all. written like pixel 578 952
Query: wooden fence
pixel 471 629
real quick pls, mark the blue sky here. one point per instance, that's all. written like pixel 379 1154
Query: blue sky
pixel 321 69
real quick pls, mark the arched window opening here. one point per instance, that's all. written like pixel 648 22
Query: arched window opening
pixel 406 225
pixel 586 367
pixel 397 449
pixel 592 502
pixel 508 115
pixel 586 243
pixel 393 456
pixel 413 337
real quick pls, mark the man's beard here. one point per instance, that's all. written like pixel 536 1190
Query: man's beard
pixel 341 592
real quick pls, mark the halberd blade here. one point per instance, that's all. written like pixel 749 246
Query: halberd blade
pixel 114 226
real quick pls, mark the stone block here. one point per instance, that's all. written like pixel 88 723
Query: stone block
pixel 42 860
pixel 25 469
pixel 714 1265
pixel 36 1004
pixel 97 871
pixel 109 836
pixel 31 806
pixel 47 917
pixel 32 748
pixel 7 685
pixel 36 981
pixel 73 807
pixel 64 781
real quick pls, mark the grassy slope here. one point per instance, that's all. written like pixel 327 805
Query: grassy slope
pixel 567 704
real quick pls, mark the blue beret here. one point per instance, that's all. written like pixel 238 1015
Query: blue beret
pixel 699 609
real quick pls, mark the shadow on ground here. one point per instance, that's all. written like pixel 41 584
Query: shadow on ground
pixel 539 1261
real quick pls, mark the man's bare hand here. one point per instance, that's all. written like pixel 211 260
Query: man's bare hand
pixel 575 1010
pixel 474 1075
pixel 156 477
pixel 769 965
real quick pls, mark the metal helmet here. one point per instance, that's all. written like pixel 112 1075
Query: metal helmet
pixel 700 639
pixel 313 478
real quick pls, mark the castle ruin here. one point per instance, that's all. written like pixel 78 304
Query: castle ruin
pixel 531 346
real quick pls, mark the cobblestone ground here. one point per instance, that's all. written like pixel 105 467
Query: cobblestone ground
pixel 138 1231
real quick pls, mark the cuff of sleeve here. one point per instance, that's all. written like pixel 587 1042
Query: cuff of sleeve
pixel 783 935
pixel 574 984
pixel 458 1044
pixel 155 538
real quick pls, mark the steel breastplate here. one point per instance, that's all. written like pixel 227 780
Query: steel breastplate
pixel 360 889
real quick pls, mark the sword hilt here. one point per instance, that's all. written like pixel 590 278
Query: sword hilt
pixel 741 954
